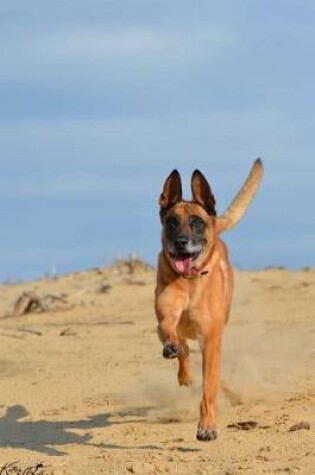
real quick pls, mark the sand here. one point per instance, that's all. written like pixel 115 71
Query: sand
pixel 85 390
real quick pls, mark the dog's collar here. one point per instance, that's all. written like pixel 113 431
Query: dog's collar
pixel 194 273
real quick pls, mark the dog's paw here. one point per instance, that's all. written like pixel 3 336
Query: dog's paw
pixel 206 434
pixel 171 350
pixel 184 379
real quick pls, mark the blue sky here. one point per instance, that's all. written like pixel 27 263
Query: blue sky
pixel 101 99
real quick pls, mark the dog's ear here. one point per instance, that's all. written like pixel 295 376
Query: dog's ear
pixel 202 193
pixel 172 191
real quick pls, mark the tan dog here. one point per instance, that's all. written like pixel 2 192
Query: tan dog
pixel 195 279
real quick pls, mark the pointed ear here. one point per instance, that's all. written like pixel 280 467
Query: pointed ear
pixel 172 191
pixel 202 193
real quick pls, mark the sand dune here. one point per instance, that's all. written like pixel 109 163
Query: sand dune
pixel 84 389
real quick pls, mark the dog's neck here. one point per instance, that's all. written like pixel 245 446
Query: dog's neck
pixel 195 272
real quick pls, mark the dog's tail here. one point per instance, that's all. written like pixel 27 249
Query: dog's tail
pixel 239 205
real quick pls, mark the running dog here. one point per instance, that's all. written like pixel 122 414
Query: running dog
pixel 195 279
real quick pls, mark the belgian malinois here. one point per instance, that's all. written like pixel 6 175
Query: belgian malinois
pixel 195 279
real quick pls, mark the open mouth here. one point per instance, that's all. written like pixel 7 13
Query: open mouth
pixel 184 260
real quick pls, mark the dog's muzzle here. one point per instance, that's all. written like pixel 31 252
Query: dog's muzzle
pixel 183 253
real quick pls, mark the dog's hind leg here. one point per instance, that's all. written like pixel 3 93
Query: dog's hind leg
pixel 210 347
pixel 183 374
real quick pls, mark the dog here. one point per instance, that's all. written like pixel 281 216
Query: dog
pixel 195 280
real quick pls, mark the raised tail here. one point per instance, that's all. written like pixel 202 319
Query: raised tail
pixel 239 205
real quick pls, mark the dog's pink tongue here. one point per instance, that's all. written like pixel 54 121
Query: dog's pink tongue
pixel 183 264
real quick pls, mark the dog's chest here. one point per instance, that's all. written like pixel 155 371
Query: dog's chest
pixel 186 326
pixel 195 314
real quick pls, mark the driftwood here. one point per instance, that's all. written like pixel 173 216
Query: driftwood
pixel 244 425
pixel 67 332
pixel 104 288
pixel 28 302
pixel 300 426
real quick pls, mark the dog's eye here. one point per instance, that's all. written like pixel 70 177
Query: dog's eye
pixel 196 222
pixel 172 223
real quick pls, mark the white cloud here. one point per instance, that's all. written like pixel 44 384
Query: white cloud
pixel 80 186
pixel 75 184
pixel 62 54
pixel 215 137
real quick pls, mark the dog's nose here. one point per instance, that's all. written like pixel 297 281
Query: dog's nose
pixel 181 241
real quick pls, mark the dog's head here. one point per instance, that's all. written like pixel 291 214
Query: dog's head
pixel 188 226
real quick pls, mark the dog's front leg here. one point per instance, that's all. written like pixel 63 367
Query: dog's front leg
pixel 167 333
pixel 210 347
pixel 175 347
pixel 183 374
pixel 168 312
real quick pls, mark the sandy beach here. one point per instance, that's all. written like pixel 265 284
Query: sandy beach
pixel 85 390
